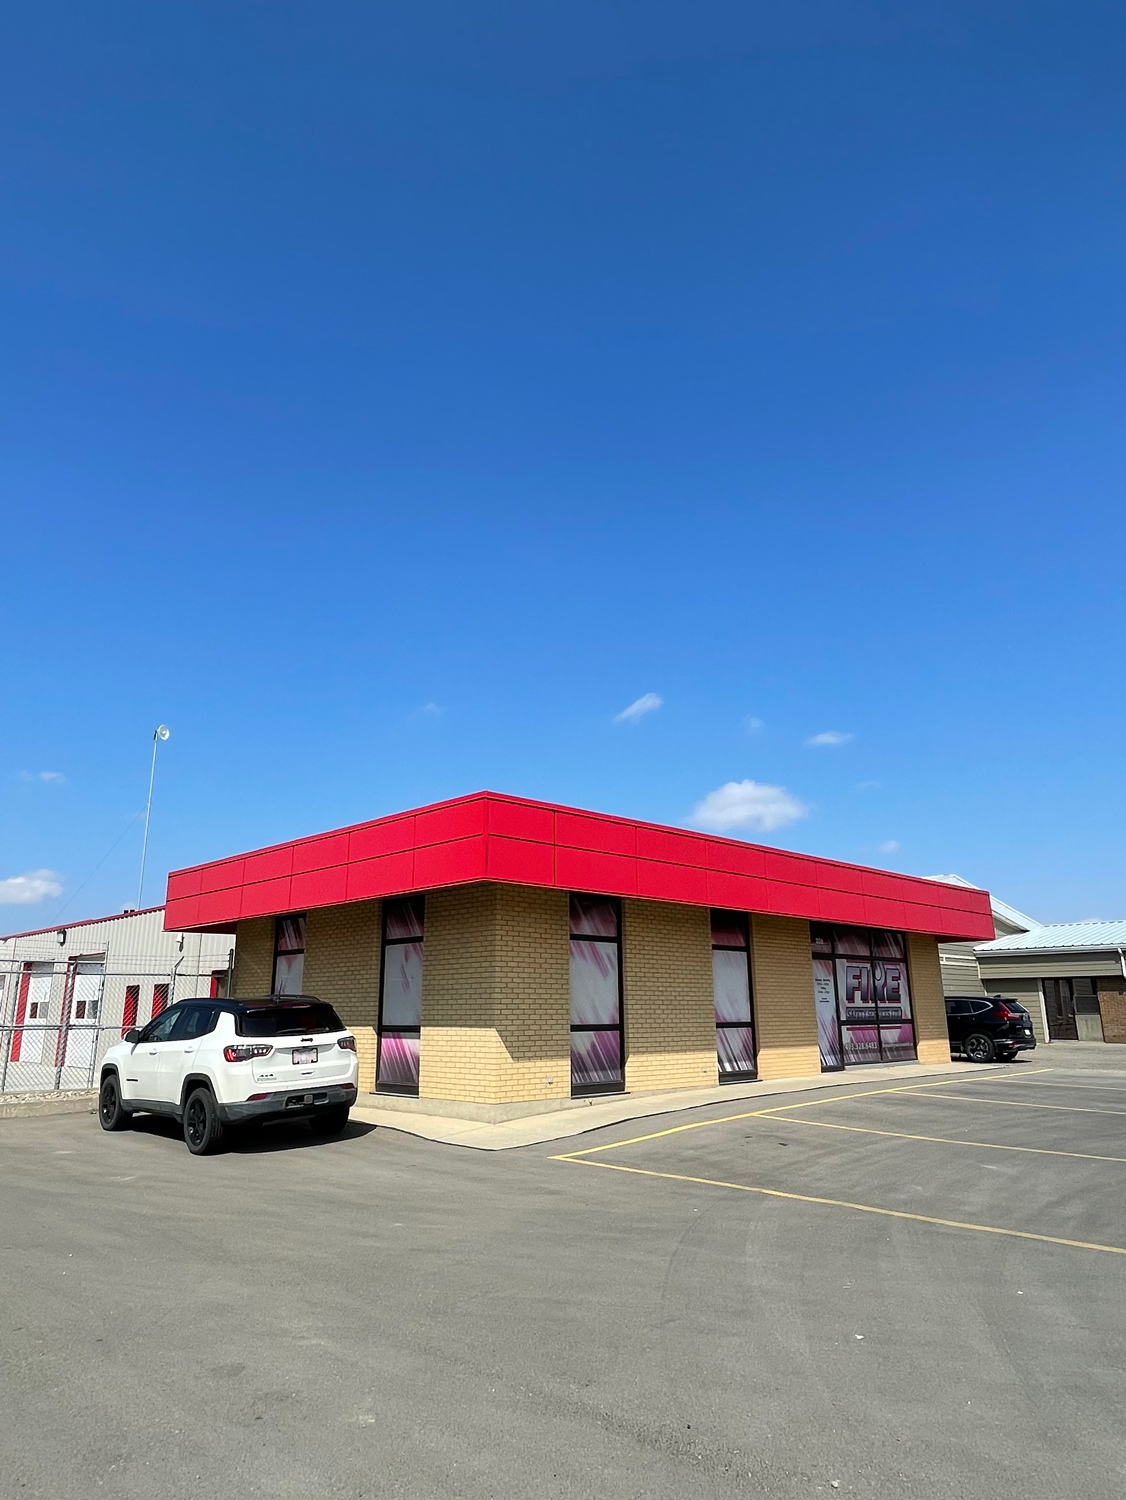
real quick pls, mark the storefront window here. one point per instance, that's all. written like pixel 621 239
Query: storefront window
pixel 731 983
pixel 596 995
pixel 289 955
pixel 862 996
pixel 400 996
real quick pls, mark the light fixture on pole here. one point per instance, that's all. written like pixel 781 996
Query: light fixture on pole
pixel 159 733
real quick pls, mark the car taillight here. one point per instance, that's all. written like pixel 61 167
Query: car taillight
pixel 347 1042
pixel 1005 1013
pixel 245 1053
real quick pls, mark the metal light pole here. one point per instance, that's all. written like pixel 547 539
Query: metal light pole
pixel 159 733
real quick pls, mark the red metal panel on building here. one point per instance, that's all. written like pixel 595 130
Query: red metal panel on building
pixel 488 836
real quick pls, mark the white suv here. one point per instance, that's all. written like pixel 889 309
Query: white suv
pixel 214 1063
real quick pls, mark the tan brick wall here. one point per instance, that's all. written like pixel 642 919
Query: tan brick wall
pixel 669 1005
pixel 342 960
pixel 533 993
pixel 925 973
pixel 365 1055
pixel 495 996
pixel 1112 1005
pixel 782 973
pixel 254 957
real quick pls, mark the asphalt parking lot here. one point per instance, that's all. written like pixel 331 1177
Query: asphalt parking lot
pixel 874 1291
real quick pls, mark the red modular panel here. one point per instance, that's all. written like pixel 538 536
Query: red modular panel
pixel 521 820
pixel 395 836
pixel 591 870
pixel 270 864
pixel 603 835
pixel 187 882
pixel 449 864
pixel 222 877
pixel 520 862
pixel 662 882
pixel 388 875
pixel 736 859
pixel 320 854
pixel 319 888
pixel 266 898
pixel 456 820
pixel 671 848
pixel 491 837
pixel 213 906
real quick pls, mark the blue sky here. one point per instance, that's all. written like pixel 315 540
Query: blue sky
pixel 393 395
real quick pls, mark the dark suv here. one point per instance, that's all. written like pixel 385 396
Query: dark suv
pixel 986 1027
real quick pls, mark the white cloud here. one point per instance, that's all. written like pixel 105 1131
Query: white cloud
pixel 27 889
pixel 753 725
pixel 646 704
pixel 830 737
pixel 748 804
pixel 429 711
pixel 866 786
pixel 42 776
pixel 889 846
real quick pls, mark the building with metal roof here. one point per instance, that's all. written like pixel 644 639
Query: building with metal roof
pixel 1074 971
pixel 960 974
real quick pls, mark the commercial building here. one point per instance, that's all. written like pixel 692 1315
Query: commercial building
pixel 68 992
pixel 1071 973
pixel 960 974
pixel 492 951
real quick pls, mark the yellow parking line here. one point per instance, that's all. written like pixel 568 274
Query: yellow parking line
pixel 861 1208
pixel 1098 1088
pixel 942 1140
pixel 1067 1109
pixel 754 1114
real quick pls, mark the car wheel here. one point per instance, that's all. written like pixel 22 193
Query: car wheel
pixel 112 1114
pixel 979 1048
pixel 203 1129
pixel 329 1121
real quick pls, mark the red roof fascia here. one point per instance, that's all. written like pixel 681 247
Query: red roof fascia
pixel 489 836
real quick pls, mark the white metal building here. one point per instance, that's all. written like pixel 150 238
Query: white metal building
pixel 960 974
pixel 68 992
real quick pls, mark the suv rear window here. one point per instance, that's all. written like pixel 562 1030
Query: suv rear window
pixel 287 1020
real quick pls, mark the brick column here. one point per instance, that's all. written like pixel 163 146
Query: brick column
pixel 254 958
pixel 342 960
pixel 785 1016
pixel 669 1006
pixel 1112 1007
pixel 495 996
pixel 932 1040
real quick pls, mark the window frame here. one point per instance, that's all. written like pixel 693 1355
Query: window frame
pixel 404 1090
pixel 588 1090
pixel 741 1075
pixel 834 957
pixel 290 916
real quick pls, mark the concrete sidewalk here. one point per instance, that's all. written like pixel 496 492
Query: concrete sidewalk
pixel 593 1114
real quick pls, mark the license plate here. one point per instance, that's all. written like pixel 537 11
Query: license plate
pixel 304 1055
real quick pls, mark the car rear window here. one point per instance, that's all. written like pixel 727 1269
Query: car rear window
pixel 287 1020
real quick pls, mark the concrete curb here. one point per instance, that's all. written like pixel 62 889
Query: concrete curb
pixel 74 1102
pixel 538 1130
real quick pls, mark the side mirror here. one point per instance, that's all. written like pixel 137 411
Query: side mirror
pixel 132 1036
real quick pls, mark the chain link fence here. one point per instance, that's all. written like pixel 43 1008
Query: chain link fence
pixel 58 1018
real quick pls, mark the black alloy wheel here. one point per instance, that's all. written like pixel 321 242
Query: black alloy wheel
pixel 329 1121
pixel 112 1114
pixel 203 1129
pixel 979 1048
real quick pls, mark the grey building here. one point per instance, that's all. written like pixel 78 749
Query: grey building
pixel 1073 973
pixel 960 974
